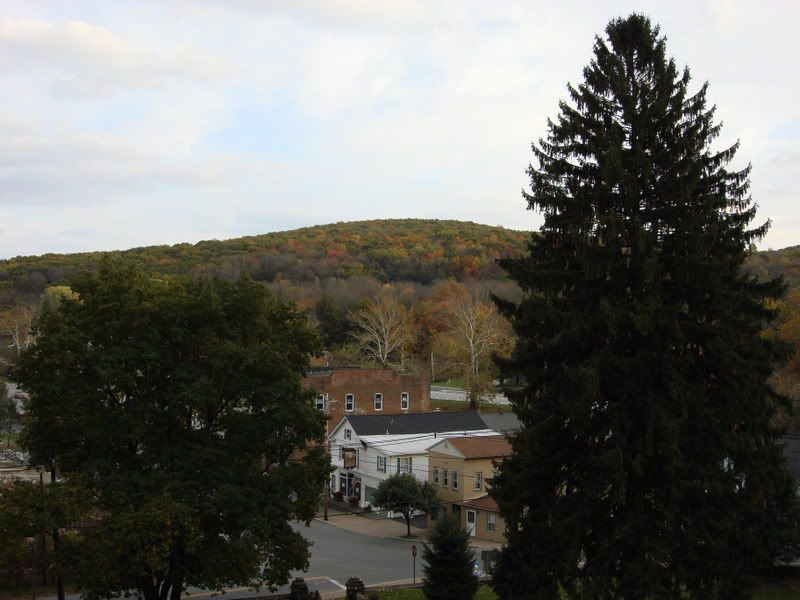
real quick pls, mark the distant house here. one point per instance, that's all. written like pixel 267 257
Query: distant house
pixel 462 469
pixel 342 391
pixel 366 449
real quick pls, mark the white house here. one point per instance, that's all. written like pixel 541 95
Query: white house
pixel 366 449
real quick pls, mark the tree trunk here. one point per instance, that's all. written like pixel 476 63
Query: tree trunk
pixel 56 536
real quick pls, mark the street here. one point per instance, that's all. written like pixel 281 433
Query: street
pixel 336 555
pixel 439 392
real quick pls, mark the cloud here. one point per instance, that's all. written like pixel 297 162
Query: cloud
pixel 326 14
pixel 256 115
pixel 41 166
pixel 91 60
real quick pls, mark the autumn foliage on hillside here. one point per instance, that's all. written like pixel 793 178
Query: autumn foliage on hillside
pixel 386 250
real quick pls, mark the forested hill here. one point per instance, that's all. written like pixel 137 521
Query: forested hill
pixel 381 251
pixel 385 250
pixel 771 263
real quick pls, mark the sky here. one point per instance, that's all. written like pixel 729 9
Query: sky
pixel 146 122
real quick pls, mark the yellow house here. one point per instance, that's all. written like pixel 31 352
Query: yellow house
pixel 462 469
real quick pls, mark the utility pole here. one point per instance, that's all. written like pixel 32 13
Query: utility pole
pixel 56 536
pixel 327 491
pixel 43 542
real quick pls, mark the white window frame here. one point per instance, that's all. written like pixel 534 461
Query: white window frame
pixel 491 521
pixel 349 402
pixel 407 463
pixel 444 477
pixel 381 463
pixel 478 480
pixel 436 475
pixel 455 480
pixel 348 433
pixel 377 402
pixel 320 402
pixel 405 401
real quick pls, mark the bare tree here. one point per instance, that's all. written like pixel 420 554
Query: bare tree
pixel 382 331
pixel 478 330
pixel 17 322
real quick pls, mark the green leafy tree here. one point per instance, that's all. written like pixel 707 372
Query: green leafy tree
pixel 448 562
pixel 333 325
pixel 177 403
pixel 27 511
pixel 647 464
pixel 9 416
pixel 405 494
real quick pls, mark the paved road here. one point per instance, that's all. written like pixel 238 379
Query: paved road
pixel 447 393
pixel 336 555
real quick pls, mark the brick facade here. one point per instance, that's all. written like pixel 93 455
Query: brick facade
pixel 352 391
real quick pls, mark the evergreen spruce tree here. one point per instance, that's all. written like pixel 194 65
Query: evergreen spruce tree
pixel 448 562
pixel 647 464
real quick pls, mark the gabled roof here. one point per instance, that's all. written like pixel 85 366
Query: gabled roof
pixel 483 503
pixel 436 422
pixel 490 446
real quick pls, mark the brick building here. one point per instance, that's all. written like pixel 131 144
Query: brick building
pixel 344 391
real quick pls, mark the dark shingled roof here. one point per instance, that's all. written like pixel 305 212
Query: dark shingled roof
pixel 501 422
pixel 436 422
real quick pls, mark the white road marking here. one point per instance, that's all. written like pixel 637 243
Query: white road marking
pixel 334 582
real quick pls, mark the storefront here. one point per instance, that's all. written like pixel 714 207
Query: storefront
pixel 349 484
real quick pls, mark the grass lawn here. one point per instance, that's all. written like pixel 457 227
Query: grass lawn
pixel 453 382
pixel 9 441
pixel 781 591
pixel 484 593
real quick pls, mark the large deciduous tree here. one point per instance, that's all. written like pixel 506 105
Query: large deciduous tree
pixel 382 330
pixel 478 331
pixel 178 405
pixel 647 464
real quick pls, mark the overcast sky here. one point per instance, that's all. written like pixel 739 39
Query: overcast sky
pixel 146 122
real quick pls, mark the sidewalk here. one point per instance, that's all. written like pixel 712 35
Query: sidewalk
pixel 377 525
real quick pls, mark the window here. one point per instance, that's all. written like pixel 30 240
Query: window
pixel 378 401
pixel 405 401
pixel 320 402
pixel 435 474
pixel 381 464
pixel 455 480
pixel 444 477
pixel 478 481
pixel 348 434
pixel 490 521
pixel 349 402
pixel 404 465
